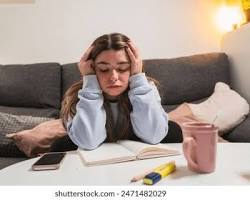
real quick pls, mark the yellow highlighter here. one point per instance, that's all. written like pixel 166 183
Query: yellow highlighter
pixel 159 173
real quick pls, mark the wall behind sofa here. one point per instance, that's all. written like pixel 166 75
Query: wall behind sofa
pixel 236 44
pixel 59 30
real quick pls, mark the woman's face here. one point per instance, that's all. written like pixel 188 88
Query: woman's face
pixel 113 70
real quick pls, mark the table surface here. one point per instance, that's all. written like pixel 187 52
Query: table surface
pixel 232 168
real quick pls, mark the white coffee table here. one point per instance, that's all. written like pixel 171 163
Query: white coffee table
pixel 233 168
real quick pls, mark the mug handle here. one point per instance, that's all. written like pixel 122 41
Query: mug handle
pixel 188 144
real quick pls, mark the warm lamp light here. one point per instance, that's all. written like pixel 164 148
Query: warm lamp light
pixel 229 18
pixel 246 8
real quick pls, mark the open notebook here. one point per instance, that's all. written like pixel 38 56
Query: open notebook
pixel 124 150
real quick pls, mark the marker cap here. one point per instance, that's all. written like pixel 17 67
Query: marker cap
pixel 151 178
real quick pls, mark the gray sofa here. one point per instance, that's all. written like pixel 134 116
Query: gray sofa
pixel 37 89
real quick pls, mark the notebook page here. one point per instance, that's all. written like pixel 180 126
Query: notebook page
pixel 144 150
pixel 106 153
pixel 134 146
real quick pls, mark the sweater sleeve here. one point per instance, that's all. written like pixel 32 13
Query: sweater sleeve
pixel 87 128
pixel 148 118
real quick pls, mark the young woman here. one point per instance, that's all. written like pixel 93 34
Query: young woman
pixel 114 100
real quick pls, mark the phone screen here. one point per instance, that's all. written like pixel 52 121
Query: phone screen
pixel 49 161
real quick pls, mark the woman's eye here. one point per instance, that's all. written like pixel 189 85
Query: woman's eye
pixel 104 70
pixel 123 70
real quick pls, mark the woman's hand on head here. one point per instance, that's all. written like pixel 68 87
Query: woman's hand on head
pixel 85 65
pixel 136 61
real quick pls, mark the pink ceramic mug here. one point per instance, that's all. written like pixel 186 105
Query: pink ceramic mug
pixel 199 146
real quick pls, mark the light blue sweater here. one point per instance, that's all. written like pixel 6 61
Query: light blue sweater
pixel 149 120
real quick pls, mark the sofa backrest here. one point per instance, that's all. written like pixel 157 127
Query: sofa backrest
pixel 32 85
pixel 190 78
pixel 181 79
pixel 70 75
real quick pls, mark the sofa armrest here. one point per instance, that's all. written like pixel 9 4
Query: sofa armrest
pixel 240 133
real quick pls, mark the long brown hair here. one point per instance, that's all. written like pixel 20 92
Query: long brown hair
pixel 122 128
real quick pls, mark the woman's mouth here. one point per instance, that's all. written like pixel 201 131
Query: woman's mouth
pixel 114 86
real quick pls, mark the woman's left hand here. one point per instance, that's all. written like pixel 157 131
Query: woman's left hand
pixel 136 62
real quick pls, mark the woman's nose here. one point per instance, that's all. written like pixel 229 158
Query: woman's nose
pixel 114 76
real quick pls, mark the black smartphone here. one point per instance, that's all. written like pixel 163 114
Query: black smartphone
pixel 49 161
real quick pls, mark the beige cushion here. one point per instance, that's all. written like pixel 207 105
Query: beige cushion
pixel 39 139
pixel 183 113
pixel 11 124
pixel 225 106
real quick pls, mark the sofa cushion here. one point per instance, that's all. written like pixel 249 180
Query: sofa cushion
pixel 39 139
pixel 169 108
pixel 225 108
pixel 32 85
pixel 70 75
pixel 190 78
pixel 12 124
pixel 35 112
pixel 240 133
pixel 6 161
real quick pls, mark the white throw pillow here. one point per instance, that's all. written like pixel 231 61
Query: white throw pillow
pixel 225 106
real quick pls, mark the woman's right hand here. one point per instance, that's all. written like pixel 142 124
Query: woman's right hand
pixel 85 65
